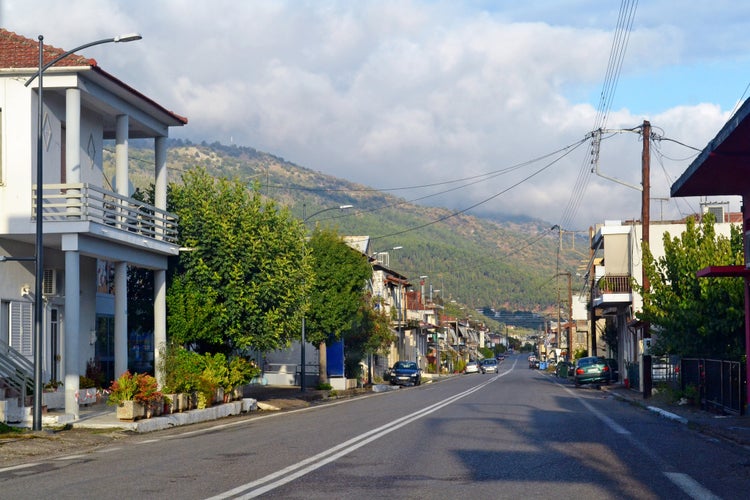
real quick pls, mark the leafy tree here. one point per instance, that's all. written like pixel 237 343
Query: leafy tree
pixel 336 295
pixel 695 316
pixel 370 334
pixel 243 281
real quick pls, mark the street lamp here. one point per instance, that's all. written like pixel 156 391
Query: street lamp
pixel 305 218
pixel 39 257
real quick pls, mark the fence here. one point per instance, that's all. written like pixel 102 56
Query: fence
pixel 720 383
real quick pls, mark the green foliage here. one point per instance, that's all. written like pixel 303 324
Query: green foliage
pixel 243 283
pixel 695 316
pixel 324 387
pixel 123 389
pixel 241 372
pixel 182 369
pixel 486 352
pixel 337 292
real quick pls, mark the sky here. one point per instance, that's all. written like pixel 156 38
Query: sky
pixel 412 96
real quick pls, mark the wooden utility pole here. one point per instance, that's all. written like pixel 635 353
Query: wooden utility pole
pixel 645 196
pixel 646 222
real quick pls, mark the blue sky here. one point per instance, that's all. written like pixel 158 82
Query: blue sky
pixel 398 92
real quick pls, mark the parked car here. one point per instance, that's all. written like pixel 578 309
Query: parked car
pixel 472 367
pixel 614 369
pixel 592 370
pixel 405 373
pixel 488 365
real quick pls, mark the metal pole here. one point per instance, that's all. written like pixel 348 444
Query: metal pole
pixel 39 255
pixel 302 385
pixel 39 240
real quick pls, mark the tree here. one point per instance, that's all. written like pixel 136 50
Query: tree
pixel 336 295
pixel 695 316
pixel 242 281
pixel 370 334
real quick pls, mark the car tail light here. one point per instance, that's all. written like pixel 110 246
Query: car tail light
pixel 605 369
pixel 579 371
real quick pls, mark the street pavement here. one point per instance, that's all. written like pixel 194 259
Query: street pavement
pixel 728 427
pixel 734 428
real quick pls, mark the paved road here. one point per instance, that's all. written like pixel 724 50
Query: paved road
pixel 512 435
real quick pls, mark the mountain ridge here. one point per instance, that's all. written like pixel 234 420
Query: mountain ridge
pixel 482 262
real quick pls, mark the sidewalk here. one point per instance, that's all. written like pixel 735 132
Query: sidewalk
pixel 733 428
pixel 263 398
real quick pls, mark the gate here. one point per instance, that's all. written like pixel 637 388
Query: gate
pixel 720 383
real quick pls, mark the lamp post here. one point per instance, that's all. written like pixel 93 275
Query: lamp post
pixel 39 257
pixel 305 218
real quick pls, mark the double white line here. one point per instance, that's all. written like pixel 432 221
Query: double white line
pixel 289 474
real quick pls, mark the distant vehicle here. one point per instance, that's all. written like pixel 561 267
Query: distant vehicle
pixel 592 370
pixel 500 357
pixel 472 367
pixel 533 361
pixel 405 373
pixel 489 365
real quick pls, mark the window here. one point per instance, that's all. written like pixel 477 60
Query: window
pixel 21 325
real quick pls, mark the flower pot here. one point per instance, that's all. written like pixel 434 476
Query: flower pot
pixel 130 410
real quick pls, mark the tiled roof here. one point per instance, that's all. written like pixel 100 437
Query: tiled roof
pixel 17 51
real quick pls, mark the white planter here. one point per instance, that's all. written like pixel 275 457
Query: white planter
pixel 86 396
pixel 54 400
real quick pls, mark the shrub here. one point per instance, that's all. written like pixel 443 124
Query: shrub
pixel 123 389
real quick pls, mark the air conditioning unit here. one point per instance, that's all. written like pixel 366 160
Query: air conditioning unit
pixel 49 283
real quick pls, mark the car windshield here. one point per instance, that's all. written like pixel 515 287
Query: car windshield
pixel 408 365
pixel 490 361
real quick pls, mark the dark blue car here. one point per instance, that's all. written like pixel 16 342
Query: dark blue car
pixel 406 373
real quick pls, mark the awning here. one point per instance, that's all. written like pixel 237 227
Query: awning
pixel 723 167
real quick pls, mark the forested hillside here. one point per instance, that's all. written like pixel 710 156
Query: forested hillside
pixel 476 261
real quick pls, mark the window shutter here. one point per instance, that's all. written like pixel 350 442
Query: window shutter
pixel 21 325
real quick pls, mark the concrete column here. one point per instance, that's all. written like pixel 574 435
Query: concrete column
pixel 73 149
pixel 121 154
pixel 72 331
pixel 160 180
pixel 160 321
pixel 121 318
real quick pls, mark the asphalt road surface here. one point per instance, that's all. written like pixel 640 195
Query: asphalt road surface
pixel 518 434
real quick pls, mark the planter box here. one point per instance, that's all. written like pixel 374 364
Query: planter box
pixel 130 410
pixel 54 400
pixel 87 396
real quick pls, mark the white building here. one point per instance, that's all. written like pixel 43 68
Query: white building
pixel 89 223
pixel 617 261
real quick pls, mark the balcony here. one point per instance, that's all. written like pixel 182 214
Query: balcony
pixel 76 203
pixel 612 289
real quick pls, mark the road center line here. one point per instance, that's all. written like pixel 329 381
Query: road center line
pixel 315 462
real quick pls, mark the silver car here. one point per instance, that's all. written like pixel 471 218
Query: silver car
pixel 488 365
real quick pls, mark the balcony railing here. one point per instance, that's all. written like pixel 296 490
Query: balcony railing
pixel 612 284
pixel 83 202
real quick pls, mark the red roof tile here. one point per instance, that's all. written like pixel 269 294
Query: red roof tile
pixel 17 51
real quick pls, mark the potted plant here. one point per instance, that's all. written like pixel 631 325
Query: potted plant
pixel 122 395
pixel 148 394
pixel 182 370
pixel 213 379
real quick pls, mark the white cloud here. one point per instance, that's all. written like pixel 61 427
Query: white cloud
pixel 393 93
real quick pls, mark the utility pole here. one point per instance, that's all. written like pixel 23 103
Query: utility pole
pixel 646 222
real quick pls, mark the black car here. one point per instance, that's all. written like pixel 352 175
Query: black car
pixel 405 373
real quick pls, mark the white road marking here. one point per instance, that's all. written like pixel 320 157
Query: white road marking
pixel 295 471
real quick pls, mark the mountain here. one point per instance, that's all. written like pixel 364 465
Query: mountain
pixel 502 264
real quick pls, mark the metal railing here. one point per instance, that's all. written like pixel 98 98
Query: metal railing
pixel 612 283
pixel 84 202
pixel 720 383
pixel 16 370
